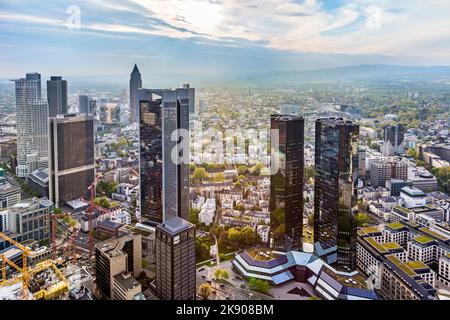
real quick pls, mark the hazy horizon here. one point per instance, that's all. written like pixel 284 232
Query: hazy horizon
pixel 106 37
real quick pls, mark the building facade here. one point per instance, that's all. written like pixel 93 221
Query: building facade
pixel 32 114
pixel 72 158
pixel 164 183
pixel 115 256
pixel 393 143
pixel 57 96
pixel 286 188
pixel 175 260
pixel 335 195
pixel 135 85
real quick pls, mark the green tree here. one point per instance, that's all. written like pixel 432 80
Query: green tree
pixel 362 219
pixel 204 291
pixel 220 177
pixel 193 216
pixel 242 170
pixel 259 285
pixel 199 174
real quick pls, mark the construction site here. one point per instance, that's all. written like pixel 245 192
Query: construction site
pixel 62 271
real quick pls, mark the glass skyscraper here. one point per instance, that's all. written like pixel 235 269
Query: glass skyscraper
pixel 164 183
pixel 57 96
pixel 286 187
pixel 335 194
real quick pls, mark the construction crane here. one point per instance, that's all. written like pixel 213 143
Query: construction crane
pixel 91 189
pixel 53 218
pixel 24 270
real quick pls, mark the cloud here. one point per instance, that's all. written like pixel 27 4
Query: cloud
pixel 413 26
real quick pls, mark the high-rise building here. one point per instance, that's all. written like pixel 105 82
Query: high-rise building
pixel 72 160
pixel 164 183
pixel 165 188
pixel 190 93
pixel 286 187
pixel 385 169
pixel 393 143
pixel 32 114
pixel 135 85
pixel 83 104
pixel 175 260
pixel 57 96
pixel 335 195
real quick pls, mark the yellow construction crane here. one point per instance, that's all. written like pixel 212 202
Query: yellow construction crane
pixel 23 271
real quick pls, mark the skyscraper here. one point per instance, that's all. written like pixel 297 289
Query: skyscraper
pixel 286 186
pixel 393 143
pixel 56 96
pixel 335 195
pixel 72 161
pixel 135 85
pixel 164 183
pixel 175 260
pixel 165 188
pixel 83 104
pixel 32 114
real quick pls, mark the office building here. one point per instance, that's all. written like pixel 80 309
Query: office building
pixel 386 169
pixel 72 159
pixel 9 194
pixel 57 96
pixel 38 182
pixel 393 143
pixel 413 197
pixel 135 85
pixel 32 114
pixel 162 112
pixel 422 179
pixel 175 260
pixel 286 187
pixel 396 185
pixel 126 287
pixel 112 258
pixel 84 104
pixel 27 220
pixel 335 195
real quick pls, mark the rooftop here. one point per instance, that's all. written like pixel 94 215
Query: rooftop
pixel 395 225
pixel 175 225
pixel 413 192
pixel 423 239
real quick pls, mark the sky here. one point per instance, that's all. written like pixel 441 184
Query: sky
pixel 106 37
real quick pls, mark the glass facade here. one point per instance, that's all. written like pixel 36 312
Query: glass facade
pixel 335 203
pixel 286 193
pixel 164 183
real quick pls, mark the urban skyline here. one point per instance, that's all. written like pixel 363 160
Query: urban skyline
pixel 174 150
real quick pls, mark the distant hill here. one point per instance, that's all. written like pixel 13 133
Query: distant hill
pixel 350 73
